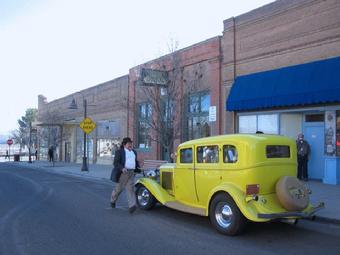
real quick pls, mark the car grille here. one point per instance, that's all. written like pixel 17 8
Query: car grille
pixel 167 180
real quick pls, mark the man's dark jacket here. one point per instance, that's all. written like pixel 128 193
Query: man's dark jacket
pixel 119 163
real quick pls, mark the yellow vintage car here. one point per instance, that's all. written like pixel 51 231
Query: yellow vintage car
pixel 231 179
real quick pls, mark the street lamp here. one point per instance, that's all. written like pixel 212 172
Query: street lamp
pixel 74 106
pixel 29 143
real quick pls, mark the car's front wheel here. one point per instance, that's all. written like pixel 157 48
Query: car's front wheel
pixel 225 216
pixel 145 200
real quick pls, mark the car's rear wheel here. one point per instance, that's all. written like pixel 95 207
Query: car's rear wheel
pixel 145 200
pixel 225 216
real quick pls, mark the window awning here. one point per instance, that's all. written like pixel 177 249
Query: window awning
pixel 312 83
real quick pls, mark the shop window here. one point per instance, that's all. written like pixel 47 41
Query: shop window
pixel 266 123
pixel 107 147
pixel 229 154
pixel 205 102
pixel 143 125
pixel 315 117
pixel 198 116
pixel 207 154
pixel 247 124
pixel 290 124
pixel 186 156
pixel 80 144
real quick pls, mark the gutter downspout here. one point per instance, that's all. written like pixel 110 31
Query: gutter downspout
pixel 220 82
pixel 234 32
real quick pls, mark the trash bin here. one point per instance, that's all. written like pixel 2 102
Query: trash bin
pixel 16 157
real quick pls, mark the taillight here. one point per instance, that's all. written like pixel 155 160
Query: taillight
pixel 252 189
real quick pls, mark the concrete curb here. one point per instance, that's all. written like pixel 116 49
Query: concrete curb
pixel 323 219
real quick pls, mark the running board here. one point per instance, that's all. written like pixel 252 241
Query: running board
pixel 184 208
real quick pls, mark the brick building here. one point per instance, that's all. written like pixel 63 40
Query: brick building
pixel 285 58
pixel 58 125
pixel 194 81
pixel 274 69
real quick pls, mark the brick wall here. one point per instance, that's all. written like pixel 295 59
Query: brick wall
pixel 283 33
pixel 200 65
pixel 106 101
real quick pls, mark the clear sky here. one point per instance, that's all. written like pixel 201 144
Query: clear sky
pixel 57 47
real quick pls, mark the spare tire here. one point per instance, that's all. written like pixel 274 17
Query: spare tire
pixel 292 194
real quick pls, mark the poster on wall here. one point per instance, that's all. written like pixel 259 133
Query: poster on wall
pixel 330 127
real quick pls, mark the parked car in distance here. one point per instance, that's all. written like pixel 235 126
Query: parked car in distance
pixel 232 179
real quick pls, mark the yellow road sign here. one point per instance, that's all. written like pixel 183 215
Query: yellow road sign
pixel 87 125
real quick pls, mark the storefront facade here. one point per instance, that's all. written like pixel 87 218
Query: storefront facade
pixel 274 69
pixel 193 89
pixel 58 125
pixel 281 75
pixel 320 126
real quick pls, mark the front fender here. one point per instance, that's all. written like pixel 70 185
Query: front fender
pixel 248 209
pixel 156 190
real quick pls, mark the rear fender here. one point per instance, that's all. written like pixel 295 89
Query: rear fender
pixel 239 197
pixel 156 190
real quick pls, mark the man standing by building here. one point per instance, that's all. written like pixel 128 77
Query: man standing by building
pixel 303 151
pixel 125 165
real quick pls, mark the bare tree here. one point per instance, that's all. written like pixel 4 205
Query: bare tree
pixel 49 133
pixel 166 101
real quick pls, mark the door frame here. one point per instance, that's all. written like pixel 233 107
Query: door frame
pixel 305 125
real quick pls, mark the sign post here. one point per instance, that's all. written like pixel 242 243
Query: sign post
pixel 9 142
pixel 87 125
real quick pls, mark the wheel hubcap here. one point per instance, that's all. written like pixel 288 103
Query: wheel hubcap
pixel 223 214
pixel 143 196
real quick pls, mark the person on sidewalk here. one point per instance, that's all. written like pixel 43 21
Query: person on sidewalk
pixel 303 151
pixel 36 154
pixel 125 164
pixel 50 153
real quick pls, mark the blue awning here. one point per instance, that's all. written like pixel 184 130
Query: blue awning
pixel 312 83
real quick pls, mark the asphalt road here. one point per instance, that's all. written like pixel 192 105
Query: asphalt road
pixel 45 213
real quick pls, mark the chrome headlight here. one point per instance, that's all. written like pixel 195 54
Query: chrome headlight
pixel 151 174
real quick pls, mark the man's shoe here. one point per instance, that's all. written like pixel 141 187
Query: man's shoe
pixel 113 205
pixel 132 209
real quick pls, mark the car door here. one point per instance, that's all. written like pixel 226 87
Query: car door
pixel 184 177
pixel 207 170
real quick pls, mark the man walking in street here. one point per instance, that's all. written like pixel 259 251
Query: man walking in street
pixel 303 151
pixel 125 165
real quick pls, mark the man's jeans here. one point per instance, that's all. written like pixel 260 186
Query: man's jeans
pixel 126 180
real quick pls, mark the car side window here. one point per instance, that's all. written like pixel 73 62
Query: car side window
pixel 230 154
pixel 207 154
pixel 186 156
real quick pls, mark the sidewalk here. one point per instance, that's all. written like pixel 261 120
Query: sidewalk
pixel 329 194
pixel 99 172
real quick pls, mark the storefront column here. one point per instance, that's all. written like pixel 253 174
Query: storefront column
pixel 94 161
pixel 332 170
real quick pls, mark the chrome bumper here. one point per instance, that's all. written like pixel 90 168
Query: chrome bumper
pixel 292 214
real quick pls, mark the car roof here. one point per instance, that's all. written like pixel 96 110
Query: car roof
pixel 248 138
